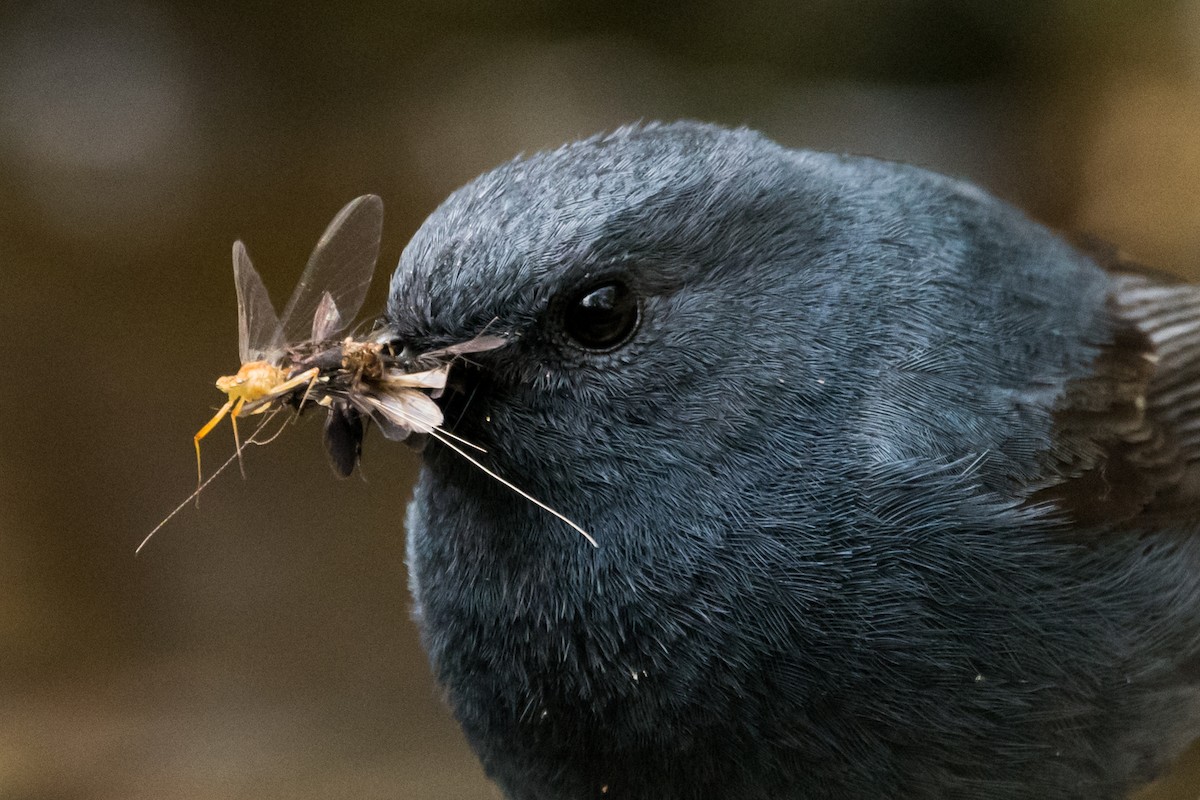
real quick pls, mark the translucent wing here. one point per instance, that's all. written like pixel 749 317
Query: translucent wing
pixel 479 344
pixel 260 337
pixel 340 266
pixel 327 320
pixel 400 413
pixel 428 379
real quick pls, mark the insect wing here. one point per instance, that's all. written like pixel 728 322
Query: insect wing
pixel 340 266
pixel 326 319
pixel 343 437
pixel 401 413
pixel 427 379
pixel 260 336
pixel 479 344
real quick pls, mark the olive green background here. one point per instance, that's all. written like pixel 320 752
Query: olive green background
pixel 261 647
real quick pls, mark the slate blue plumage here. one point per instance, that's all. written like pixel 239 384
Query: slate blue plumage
pixel 850 480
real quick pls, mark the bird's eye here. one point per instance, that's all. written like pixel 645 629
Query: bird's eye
pixel 602 317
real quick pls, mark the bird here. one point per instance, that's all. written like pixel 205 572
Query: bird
pixel 894 490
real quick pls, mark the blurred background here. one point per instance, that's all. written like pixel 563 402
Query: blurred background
pixel 261 646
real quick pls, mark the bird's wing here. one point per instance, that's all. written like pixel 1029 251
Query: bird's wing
pixel 1127 440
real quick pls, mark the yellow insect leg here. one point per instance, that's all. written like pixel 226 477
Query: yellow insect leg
pixel 200 434
pixel 311 377
pixel 237 442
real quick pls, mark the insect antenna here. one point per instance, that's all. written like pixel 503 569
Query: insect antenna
pixel 461 440
pixel 437 434
pixel 196 494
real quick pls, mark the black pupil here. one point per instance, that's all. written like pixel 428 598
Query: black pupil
pixel 603 317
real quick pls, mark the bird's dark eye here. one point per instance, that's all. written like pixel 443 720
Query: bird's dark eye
pixel 602 317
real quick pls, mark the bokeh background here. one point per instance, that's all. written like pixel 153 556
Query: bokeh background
pixel 261 646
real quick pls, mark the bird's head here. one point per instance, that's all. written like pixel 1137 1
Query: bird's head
pixel 709 335
pixel 665 298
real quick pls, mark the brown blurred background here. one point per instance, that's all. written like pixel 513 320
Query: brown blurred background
pixel 261 647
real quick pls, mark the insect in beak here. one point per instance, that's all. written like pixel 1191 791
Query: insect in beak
pixel 297 359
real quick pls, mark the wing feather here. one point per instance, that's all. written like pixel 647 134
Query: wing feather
pixel 1127 438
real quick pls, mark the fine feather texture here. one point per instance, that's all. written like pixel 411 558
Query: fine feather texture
pixel 876 484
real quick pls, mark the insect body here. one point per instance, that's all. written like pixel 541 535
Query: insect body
pixel 255 381
pixel 398 393
pixel 328 296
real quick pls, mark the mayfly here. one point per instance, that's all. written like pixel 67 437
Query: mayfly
pixel 327 298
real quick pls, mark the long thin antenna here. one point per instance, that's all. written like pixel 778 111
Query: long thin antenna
pixel 235 457
pixel 461 440
pixel 437 435
pixel 445 436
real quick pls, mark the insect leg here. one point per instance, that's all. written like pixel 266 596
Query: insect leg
pixel 309 376
pixel 237 443
pixel 200 434
pixel 312 381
